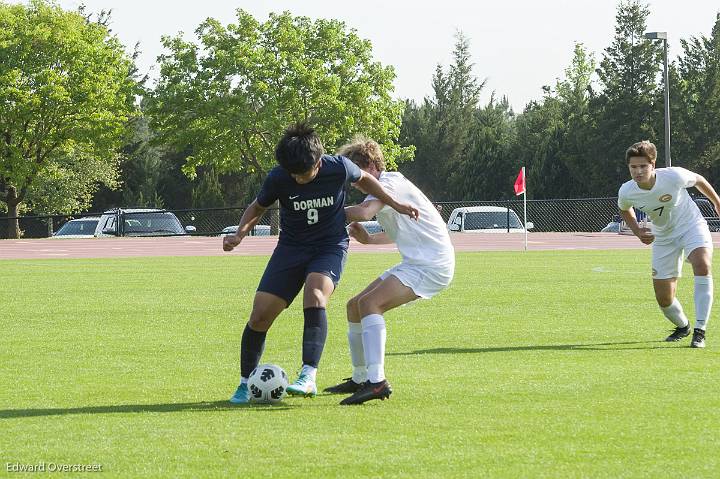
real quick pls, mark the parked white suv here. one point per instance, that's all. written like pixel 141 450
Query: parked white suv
pixel 140 222
pixel 485 219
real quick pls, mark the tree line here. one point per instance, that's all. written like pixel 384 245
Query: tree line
pixel 572 140
pixel 80 130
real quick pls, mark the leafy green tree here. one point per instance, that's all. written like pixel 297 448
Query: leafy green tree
pixel 66 92
pixel 230 96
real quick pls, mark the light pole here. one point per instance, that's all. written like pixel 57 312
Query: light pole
pixel 663 36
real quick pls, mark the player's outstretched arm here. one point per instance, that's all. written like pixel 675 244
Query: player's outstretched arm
pixel 370 185
pixel 644 234
pixel 361 235
pixel 707 189
pixel 249 219
pixel 365 211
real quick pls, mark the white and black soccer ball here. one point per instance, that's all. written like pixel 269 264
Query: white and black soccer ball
pixel 267 383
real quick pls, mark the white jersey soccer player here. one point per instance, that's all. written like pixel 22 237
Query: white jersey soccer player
pixel 428 256
pixel 678 231
pixel 427 267
pixel 668 205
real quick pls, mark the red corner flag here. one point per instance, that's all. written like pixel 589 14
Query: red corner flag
pixel 520 182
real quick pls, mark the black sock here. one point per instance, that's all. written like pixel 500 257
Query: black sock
pixel 314 335
pixel 251 349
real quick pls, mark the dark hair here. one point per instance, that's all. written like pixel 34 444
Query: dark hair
pixel 299 148
pixel 642 148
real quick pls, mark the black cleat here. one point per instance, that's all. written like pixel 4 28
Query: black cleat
pixel 698 340
pixel 347 387
pixel 369 391
pixel 678 334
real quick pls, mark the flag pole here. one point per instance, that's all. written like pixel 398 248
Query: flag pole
pixel 520 188
pixel 525 208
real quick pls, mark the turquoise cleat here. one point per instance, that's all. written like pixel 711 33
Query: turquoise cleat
pixel 304 385
pixel 241 396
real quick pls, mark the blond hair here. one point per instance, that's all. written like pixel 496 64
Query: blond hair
pixel 363 152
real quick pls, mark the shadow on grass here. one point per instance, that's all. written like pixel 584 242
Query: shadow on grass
pixel 140 408
pixel 619 346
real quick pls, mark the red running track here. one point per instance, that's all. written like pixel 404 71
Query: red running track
pixel 212 246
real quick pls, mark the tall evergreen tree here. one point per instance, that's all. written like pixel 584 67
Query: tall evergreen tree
pixel 485 172
pixel 142 169
pixel 551 139
pixel 442 126
pixel 573 96
pixel 695 104
pixel 538 143
pixel 625 111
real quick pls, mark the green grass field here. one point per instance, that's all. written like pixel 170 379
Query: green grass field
pixel 539 364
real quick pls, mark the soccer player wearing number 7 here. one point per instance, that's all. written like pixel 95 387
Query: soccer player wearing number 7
pixel 311 249
pixel 428 265
pixel 678 229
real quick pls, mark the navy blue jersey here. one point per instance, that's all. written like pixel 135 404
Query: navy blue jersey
pixel 313 213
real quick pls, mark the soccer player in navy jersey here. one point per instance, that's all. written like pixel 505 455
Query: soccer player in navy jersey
pixel 311 249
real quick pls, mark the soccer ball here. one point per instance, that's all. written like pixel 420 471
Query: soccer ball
pixel 267 383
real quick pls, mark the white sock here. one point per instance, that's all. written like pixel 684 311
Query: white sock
pixel 309 370
pixel 373 338
pixel 675 313
pixel 357 355
pixel 703 300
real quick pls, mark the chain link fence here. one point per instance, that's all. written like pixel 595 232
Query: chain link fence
pixel 565 215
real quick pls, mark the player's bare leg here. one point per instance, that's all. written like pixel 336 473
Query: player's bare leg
pixel 388 294
pixel 266 308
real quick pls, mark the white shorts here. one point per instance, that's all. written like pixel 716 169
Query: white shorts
pixel 425 281
pixel 667 253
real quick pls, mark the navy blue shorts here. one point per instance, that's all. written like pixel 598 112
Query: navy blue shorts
pixel 289 265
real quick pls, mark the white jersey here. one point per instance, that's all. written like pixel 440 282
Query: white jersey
pixel 422 242
pixel 667 203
